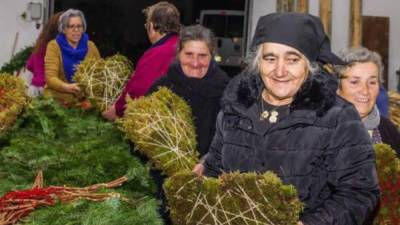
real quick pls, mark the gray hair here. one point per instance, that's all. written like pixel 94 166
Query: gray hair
pixel 359 55
pixel 197 33
pixel 164 16
pixel 64 19
pixel 253 61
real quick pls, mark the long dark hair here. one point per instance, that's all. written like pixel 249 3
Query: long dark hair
pixel 48 33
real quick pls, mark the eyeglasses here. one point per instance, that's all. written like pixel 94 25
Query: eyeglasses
pixel 75 27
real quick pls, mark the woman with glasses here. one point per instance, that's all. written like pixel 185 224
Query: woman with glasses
pixel 64 53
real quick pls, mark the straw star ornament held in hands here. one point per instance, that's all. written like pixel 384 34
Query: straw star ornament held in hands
pixel 102 80
pixel 233 198
pixel 161 126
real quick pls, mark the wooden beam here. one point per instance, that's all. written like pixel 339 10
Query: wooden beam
pixel 280 5
pixel 355 23
pixel 325 12
pixel 302 6
pixel 285 6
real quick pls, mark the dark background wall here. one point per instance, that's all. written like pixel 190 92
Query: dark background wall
pixel 117 26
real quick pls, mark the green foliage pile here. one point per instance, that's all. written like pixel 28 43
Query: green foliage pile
pixel 388 168
pixel 75 148
pixel 233 198
pixel 161 126
pixel 13 99
pixel 18 61
pixel 103 80
pixel 110 212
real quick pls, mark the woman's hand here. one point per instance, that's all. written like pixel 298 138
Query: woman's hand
pixel 85 105
pixel 300 223
pixel 110 114
pixel 198 169
pixel 72 88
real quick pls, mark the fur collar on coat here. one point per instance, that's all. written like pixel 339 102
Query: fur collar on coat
pixel 318 93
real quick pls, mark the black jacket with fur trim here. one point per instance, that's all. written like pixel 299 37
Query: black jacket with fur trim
pixel 321 148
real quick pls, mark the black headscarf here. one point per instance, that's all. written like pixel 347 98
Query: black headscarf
pixel 301 31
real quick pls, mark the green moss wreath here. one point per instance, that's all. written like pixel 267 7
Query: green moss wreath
pixel 102 80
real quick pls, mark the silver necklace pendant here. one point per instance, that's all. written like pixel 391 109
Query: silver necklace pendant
pixel 264 115
pixel 274 117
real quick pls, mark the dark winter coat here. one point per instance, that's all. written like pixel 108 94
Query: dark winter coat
pixel 321 148
pixel 202 95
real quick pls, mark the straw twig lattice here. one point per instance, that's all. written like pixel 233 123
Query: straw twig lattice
pixel 394 107
pixel 161 126
pixel 233 198
pixel 102 80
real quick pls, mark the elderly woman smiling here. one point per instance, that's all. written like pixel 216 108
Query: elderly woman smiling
pixel 195 77
pixel 63 54
pixel 282 114
pixel 359 84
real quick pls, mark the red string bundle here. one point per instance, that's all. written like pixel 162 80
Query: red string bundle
pixel 17 204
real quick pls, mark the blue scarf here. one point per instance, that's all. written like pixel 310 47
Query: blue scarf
pixel 72 57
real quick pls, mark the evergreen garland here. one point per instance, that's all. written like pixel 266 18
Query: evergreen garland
pixel 75 148
pixel 110 212
pixel 18 61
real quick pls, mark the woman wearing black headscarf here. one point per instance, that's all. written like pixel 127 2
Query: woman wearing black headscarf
pixel 282 114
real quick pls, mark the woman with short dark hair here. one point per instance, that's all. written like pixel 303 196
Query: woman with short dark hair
pixel 164 17
pixel 162 25
pixel 197 78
